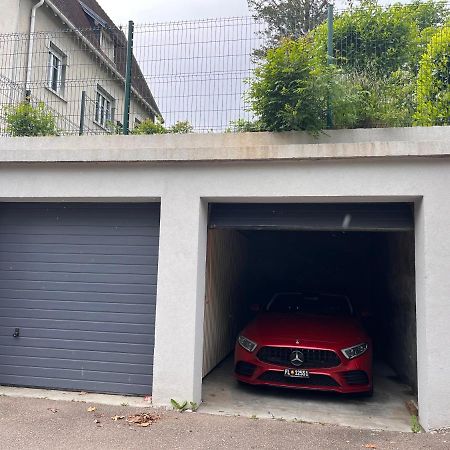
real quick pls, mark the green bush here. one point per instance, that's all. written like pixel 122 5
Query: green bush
pixel 376 51
pixel 290 88
pixel 150 127
pixel 383 40
pixel 25 119
pixel 433 83
pixel 293 88
pixel 181 127
pixel 244 126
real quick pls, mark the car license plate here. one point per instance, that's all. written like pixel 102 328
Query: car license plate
pixel 296 373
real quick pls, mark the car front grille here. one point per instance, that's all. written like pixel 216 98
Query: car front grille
pixel 353 377
pixel 313 358
pixel 313 380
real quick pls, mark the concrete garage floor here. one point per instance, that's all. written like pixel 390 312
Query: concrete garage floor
pixel 386 410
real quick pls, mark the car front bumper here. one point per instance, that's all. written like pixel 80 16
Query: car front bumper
pixel 350 376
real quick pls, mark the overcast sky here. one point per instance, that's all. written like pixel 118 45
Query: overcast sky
pixel 146 11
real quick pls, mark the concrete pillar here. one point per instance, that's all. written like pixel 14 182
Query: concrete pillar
pixel 180 299
pixel 433 308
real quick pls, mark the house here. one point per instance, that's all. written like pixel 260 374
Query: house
pixel 52 51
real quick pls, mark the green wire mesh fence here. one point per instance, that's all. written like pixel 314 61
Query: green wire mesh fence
pixel 388 66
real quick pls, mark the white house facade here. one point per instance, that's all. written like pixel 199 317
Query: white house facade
pixel 56 52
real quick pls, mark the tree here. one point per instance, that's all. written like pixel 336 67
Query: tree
pixel 288 18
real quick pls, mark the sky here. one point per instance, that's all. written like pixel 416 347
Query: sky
pixel 147 11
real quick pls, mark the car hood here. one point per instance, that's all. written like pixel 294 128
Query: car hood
pixel 286 329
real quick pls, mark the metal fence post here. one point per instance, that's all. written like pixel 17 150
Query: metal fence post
pixel 126 109
pixel 329 62
pixel 82 112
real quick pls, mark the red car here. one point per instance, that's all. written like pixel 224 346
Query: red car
pixel 306 341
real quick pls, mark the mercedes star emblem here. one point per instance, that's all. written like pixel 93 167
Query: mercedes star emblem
pixel 297 358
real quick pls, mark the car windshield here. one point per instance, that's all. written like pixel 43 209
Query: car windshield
pixel 320 304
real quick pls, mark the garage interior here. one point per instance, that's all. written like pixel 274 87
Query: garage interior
pixel 365 251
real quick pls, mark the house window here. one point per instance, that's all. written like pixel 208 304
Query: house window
pixel 56 70
pixel 107 44
pixel 104 106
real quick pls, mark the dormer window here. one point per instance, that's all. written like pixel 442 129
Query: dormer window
pixel 98 21
pixel 107 44
pixel 105 40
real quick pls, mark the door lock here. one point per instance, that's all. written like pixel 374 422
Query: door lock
pixel 16 332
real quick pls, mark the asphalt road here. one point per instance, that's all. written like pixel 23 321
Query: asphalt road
pixel 44 424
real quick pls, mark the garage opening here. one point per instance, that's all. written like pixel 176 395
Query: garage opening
pixel 362 251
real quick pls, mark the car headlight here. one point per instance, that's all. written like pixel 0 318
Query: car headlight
pixel 356 350
pixel 247 343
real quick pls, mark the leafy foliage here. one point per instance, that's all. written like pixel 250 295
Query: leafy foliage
pixel 244 126
pixel 150 127
pixel 377 54
pixel 433 84
pixel 181 127
pixel 381 39
pixel 290 88
pixel 25 119
pixel 288 18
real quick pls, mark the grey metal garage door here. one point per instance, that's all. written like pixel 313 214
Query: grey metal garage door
pixel 77 296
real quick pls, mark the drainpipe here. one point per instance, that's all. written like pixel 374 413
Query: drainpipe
pixel 30 47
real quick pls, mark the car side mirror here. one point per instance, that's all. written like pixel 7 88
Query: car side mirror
pixel 255 307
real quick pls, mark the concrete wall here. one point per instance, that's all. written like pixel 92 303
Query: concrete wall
pixel 84 71
pixel 226 262
pixel 352 166
pixel 396 300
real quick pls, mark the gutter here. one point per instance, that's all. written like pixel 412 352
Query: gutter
pixel 110 66
pixel 31 45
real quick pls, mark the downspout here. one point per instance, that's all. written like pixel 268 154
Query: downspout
pixel 30 47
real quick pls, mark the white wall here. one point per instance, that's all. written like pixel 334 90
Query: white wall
pixel 227 257
pixel 9 16
pixel 387 173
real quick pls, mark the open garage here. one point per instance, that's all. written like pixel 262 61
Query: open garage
pixel 363 251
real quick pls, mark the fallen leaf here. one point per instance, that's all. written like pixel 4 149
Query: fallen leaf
pixel 97 421
pixel 370 446
pixel 116 418
pixel 143 419
pixel 91 409
pixel 53 410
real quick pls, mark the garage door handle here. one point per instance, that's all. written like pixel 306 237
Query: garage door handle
pixel 16 332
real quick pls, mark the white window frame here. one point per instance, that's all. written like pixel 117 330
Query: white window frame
pixel 57 63
pixel 104 107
